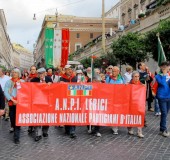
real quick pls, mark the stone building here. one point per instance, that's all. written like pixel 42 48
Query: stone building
pixel 82 30
pixel 25 57
pixel 6 49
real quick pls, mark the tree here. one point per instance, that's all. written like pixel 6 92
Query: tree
pixel 86 62
pixel 151 40
pixel 100 62
pixel 129 49
pixel 1 66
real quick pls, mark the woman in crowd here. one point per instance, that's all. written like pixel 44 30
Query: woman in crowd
pixel 11 88
pixel 135 80
pixel 128 75
pixel 25 76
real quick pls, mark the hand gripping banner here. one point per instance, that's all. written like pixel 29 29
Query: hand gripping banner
pixel 81 104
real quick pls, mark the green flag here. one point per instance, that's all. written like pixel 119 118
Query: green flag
pixel 92 66
pixel 49 38
pixel 161 53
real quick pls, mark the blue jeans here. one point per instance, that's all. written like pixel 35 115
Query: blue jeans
pixel 164 105
pixel 156 105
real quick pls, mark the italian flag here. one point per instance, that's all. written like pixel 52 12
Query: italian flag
pixel 56 47
pixel 73 92
pixel 79 92
pixel 86 93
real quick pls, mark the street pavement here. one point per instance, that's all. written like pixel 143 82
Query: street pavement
pixel 58 146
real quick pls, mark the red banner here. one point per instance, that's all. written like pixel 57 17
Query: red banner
pixel 81 104
pixel 65 46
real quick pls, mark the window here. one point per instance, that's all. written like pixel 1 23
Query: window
pixel 77 46
pixel 123 20
pixel 78 35
pixel 91 35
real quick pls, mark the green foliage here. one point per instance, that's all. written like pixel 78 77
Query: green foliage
pixel 141 15
pixel 86 62
pixel 151 40
pixel 1 66
pixel 70 57
pixel 129 49
pixel 100 62
pixel 162 2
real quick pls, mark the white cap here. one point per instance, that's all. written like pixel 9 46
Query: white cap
pixel 68 66
pixel 41 70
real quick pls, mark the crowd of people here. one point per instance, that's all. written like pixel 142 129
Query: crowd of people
pixel 157 90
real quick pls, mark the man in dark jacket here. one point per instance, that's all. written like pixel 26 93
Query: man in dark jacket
pixel 2 102
pixel 69 77
pixel 39 131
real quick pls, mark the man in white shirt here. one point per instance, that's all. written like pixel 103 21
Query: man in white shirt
pixel 3 80
pixel 128 75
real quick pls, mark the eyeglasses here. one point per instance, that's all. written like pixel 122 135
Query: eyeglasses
pixel 136 76
pixel 110 68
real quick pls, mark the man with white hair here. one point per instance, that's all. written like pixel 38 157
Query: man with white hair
pixel 115 78
pixel 89 72
pixel 3 78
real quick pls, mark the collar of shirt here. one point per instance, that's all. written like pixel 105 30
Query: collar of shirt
pixel 42 81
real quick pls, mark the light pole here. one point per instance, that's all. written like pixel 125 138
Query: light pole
pixel 103 28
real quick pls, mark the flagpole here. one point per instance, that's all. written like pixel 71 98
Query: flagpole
pixel 91 68
pixel 90 127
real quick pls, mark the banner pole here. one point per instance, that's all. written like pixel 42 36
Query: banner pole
pixel 90 127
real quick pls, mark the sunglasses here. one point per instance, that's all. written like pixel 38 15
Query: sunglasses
pixel 110 68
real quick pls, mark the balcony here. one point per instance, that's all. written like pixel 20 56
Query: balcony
pixel 148 22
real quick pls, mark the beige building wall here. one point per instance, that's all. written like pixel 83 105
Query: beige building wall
pixel 130 9
pixel 82 31
pixel 5 44
pixel 15 59
pixel 25 57
pixel 114 12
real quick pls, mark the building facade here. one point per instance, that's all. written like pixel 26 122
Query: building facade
pixel 6 49
pixel 15 59
pixel 25 57
pixel 114 12
pixel 130 10
pixel 147 23
pixel 82 30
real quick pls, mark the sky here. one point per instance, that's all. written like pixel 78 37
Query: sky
pixel 24 30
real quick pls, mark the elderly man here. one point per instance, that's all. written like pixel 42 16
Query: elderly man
pixel 69 77
pixel 115 78
pixel 89 72
pixel 39 131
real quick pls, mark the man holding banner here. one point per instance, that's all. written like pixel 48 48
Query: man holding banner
pixel 115 78
pixel 39 131
pixel 69 77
